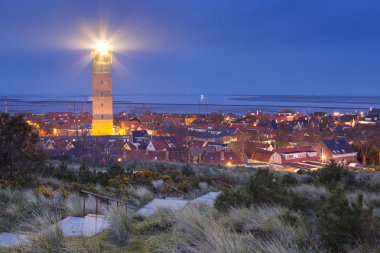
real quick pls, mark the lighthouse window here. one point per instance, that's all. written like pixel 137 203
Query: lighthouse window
pixel 102 104
pixel 102 116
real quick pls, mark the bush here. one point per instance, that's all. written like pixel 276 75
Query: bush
pixel 232 198
pixel 86 176
pixel 289 180
pixel 115 170
pixel 340 222
pixel 161 221
pixel 263 187
pixel 187 170
pixel 45 191
pixel 333 174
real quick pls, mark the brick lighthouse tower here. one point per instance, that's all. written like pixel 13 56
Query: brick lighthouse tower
pixel 102 121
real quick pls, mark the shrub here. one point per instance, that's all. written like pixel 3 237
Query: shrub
pixel 161 221
pixel 288 180
pixel 232 198
pixel 86 176
pixel 45 191
pixel 333 173
pixel 263 187
pixel 187 170
pixel 340 222
pixel 115 170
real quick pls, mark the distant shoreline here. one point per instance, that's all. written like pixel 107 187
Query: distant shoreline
pixel 191 103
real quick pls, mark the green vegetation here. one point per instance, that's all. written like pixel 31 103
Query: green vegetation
pixel 258 211
pixel 339 216
pixel 261 211
pixel 18 153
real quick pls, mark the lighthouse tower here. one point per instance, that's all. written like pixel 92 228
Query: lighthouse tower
pixel 102 115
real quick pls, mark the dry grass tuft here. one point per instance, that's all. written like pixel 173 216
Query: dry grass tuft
pixel 120 223
pixel 311 192
pixel 43 233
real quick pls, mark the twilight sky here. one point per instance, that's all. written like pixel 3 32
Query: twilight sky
pixel 193 46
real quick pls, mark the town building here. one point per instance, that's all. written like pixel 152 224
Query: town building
pixel 336 149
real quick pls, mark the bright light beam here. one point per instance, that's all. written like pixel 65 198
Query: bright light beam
pixel 102 47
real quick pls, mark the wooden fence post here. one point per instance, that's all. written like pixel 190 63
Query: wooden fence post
pixel 84 204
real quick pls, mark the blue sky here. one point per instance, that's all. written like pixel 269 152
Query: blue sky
pixel 192 46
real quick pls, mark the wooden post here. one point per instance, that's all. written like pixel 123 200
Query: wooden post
pixel 96 205
pixel 84 204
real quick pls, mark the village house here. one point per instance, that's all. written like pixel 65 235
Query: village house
pixel 217 136
pixel 60 116
pixel 336 149
pixel 157 145
pixel 373 115
pixel 285 155
pixel 226 158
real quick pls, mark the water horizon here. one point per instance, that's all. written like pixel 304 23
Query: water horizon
pixel 191 103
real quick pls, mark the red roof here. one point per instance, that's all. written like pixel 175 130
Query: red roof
pixel 160 145
pixel 288 151
pixel 222 157
pixel 262 155
pixel 294 150
pixel 142 155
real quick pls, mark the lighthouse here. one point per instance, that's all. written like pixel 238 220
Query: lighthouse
pixel 102 113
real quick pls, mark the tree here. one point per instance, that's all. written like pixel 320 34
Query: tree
pixel 18 150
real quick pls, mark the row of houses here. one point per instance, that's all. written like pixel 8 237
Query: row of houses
pixel 138 147
pixel 333 149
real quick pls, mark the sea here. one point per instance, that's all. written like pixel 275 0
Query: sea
pixel 191 103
